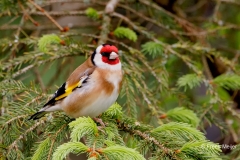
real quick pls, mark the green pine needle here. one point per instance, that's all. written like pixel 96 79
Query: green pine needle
pixel 92 13
pixel 121 152
pixel 203 150
pixel 42 150
pixel 183 130
pixel 181 114
pixel 189 81
pixel 152 48
pixel 115 111
pixel 122 32
pixel 228 81
pixel 82 126
pixel 71 147
pixel 46 40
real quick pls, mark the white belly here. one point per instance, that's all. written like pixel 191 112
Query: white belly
pixel 101 104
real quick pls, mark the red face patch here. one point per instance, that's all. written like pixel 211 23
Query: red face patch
pixel 106 50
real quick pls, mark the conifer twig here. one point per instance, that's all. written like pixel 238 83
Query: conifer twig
pixel 54 140
pixel 14 144
pixel 127 128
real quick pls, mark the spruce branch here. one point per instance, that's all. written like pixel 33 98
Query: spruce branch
pixel 40 153
pixel 202 150
pixel 14 145
pixel 53 141
pixel 227 81
pixel 181 114
pixel 125 126
pixel 82 126
pixel 52 58
pixel 183 130
pixel 70 147
pixel 152 48
pixel 122 32
pixel 121 152
pixel 189 81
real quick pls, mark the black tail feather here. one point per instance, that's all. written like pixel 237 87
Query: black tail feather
pixel 37 115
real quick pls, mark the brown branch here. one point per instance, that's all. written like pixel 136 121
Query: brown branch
pixel 61 13
pixel 39 79
pixel 14 118
pixel 233 2
pixel 26 15
pixel 111 6
pixel 46 27
pixel 47 15
pixel 106 22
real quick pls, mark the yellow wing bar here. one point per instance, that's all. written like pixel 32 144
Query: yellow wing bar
pixel 69 89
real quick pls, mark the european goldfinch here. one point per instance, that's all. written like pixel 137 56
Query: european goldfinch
pixel 92 87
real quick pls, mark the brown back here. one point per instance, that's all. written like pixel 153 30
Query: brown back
pixel 86 68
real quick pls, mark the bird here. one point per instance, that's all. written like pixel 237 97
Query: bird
pixel 91 88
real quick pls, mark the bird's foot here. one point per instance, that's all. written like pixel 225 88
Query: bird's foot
pixel 99 120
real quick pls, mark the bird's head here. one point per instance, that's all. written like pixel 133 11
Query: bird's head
pixel 106 56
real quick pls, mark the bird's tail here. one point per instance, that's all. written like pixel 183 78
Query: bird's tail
pixel 37 115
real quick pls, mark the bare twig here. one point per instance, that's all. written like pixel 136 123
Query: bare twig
pixel 111 6
pixel 39 79
pixel 26 14
pixel 46 27
pixel 47 15
pixel 233 2
pixel 61 13
pixel 106 21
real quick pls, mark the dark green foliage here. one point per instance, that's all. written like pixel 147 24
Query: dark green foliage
pixel 10 6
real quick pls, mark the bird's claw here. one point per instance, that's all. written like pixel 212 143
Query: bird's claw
pixel 99 120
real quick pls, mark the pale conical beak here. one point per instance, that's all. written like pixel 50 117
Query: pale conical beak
pixel 113 55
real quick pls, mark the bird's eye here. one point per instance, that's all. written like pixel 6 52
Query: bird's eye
pixel 105 54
